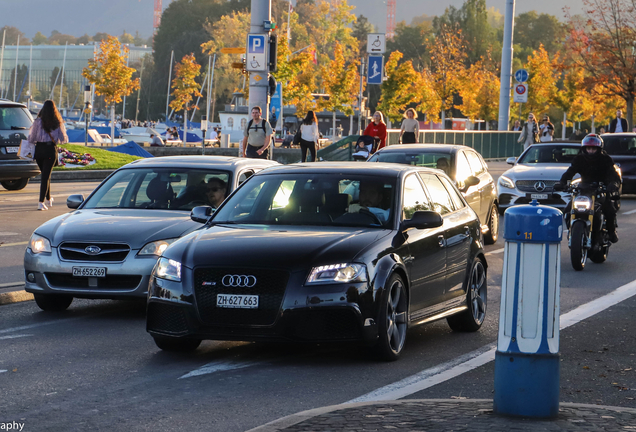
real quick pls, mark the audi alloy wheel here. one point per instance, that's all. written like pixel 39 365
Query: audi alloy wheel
pixel 393 320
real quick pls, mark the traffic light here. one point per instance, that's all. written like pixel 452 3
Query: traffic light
pixel 273 47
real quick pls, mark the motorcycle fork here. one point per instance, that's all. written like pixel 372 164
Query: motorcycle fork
pixel 589 220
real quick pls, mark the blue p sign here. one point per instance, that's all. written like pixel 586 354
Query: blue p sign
pixel 257 44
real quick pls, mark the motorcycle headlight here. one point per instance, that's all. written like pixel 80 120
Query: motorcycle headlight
pixel 582 203
pixel 168 269
pixel 337 273
pixel 39 244
pixel 506 182
pixel 156 247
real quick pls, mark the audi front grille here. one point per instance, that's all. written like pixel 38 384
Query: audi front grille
pixel 268 285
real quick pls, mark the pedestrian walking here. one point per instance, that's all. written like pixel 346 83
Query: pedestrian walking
pixel 377 129
pixel 46 132
pixel 309 136
pixel 619 124
pixel 529 132
pixel 257 136
pixel 410 131
pixel 547 129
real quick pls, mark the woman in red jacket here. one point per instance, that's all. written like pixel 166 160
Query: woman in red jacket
pixel 377 129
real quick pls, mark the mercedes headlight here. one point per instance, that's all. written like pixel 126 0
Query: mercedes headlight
pixel 582 203
pixel 156 247
pixel 337 273
pixel 39 244
pixel 168 269
pixel 506 182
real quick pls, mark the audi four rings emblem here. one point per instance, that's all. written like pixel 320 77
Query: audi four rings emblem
pixel 238 281
pixel 539 186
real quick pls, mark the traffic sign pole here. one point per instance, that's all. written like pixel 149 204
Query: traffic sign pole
pixel 506 67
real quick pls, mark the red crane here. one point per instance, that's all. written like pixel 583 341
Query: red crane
pixel 390 19
pixel 157 15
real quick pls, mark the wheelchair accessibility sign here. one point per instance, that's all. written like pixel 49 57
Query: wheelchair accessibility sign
pixel 257 50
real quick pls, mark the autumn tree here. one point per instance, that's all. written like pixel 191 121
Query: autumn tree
pixel 296 73
pixel 185 87
pixel 110 75
pixel 542 87
pixel 361 28
pixel 604 47
pixel 340 82
pixel 400 88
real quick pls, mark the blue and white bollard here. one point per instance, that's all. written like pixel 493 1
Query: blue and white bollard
pixel 527 357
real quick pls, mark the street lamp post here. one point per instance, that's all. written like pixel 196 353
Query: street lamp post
pixel 204 129
pixel 87 111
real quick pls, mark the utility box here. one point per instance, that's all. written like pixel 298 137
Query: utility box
pixel 527 357
pixel 224 140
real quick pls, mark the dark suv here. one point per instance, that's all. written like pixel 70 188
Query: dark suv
pixel 15 122
pixel 622 148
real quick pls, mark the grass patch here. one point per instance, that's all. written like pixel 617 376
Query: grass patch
pixel 104 159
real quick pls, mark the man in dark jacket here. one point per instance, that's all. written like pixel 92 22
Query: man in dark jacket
pixel 595 165
pixel 619 124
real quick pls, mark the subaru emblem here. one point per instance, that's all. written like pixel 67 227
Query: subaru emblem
pixel 92 250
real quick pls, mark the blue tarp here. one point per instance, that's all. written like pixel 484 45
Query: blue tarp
pixel 131 148
pixel 170 123
pixel 77 136
pixel 192 138
pixel 106 130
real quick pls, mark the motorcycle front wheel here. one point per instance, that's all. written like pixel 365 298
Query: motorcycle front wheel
pixel 578 240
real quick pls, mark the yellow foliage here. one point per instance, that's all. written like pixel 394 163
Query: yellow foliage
pixel 184 84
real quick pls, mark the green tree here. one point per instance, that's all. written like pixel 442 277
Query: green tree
pixel 40 39
pixel 400 88
pixel 100 37
pixel 533 30
pixel 340 81
pixel 126 38
pixel 411 42
pixel 185 87
pixel 138 40
pixel 361 28
pixel 62 39
pixel 110 75
pixel 84 39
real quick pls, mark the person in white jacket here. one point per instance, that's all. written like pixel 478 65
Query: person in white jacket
pixel 309 136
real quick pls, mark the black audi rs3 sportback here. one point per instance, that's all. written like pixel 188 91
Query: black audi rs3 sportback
pixel 324 252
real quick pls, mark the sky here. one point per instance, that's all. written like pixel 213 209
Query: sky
pixel 76 17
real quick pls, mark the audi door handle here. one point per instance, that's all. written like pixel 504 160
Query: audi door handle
pixel 441 240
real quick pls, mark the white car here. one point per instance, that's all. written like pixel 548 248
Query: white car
pixel 534 174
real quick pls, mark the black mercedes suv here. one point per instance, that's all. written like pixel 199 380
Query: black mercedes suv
pixel 15 122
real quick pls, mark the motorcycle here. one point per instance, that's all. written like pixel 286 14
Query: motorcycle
pixel 588 235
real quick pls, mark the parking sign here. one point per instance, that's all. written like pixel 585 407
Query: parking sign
pixel 257 53
pixel 375 72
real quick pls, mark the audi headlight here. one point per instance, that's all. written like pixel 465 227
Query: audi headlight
pixel 39 244
pixel 506 182
pixel 156 247
pixel 168 269
pixel 582 203
pixel 337 273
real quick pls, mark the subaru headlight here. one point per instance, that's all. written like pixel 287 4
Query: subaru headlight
pixel 39 244
pixel 337 273
pixel 156 247
pixel 506 182
pixel 168 269
pixel 582 203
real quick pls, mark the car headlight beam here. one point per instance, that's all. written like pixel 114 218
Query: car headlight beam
pixel 337 273
pixel 506 182
pixel 39 244
pixel 155 248
pixel 168 269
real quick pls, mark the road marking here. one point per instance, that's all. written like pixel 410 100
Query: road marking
pixel 467 362
pixel 219 366
pixel 15 336
pixel 6 233
pixel 14 244
pixel 629 212
pixel 41 324
pixel 496 251
pixel 3 370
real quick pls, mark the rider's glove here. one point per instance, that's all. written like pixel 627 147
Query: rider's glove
pixel 613 190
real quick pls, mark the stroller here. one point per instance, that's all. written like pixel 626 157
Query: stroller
pixel 365 147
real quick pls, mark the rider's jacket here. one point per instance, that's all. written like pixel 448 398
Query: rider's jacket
pixel 595 168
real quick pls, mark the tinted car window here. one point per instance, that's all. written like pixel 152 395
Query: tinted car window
pixel 159 188
pixel 454 193
pixel 14 118
pixel 421 159
pixel 310 199
pixel 414 198
pixel 549 154
pixel 440 198
pixel 620 145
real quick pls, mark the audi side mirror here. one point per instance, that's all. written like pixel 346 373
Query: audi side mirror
pixel 74 201
pixel 201 214
pixel 423 220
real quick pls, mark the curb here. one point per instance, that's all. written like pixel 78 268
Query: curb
pixel 15 297
pixel 291 420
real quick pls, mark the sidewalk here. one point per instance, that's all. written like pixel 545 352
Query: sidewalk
pixel 417 415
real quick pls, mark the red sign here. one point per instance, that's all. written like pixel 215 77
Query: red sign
pixel 520 89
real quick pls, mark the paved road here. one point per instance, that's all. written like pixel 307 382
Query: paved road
pixel 95 367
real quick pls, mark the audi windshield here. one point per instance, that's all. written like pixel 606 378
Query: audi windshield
pixel 311 199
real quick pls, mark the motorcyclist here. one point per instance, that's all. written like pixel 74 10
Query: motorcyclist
pixel 595 165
